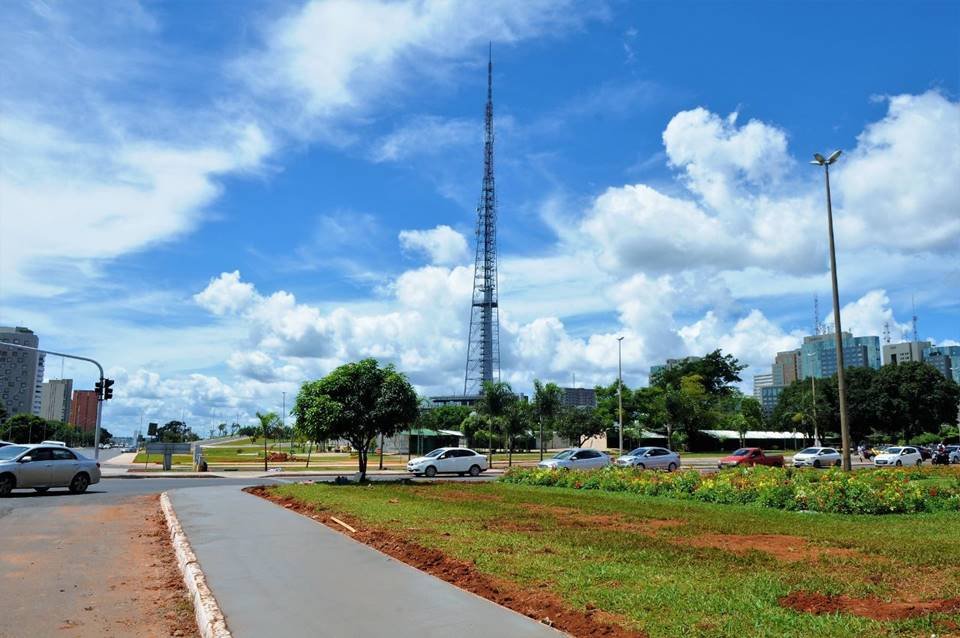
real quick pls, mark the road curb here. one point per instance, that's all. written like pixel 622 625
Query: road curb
pixel 210 620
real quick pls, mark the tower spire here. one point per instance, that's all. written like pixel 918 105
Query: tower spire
pixel 483 345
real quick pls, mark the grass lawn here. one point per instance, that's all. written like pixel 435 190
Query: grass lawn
pixel 668 567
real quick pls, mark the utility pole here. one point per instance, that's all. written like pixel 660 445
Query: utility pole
pixel 837 330
pixel 620 387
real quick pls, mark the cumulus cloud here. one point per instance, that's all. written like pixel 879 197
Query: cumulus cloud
pixel 425 135
pixel 443 245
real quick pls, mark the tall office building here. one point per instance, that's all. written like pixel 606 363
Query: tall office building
pixel 38 384
pixel 786 367
pixel 19 370
pixel 895 353
pixel 760 381
pixel 55 402
pixel 946 359
pixel 818 355
pixel 579 397
pixel 83 410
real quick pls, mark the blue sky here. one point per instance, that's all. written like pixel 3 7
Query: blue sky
pixel 221 199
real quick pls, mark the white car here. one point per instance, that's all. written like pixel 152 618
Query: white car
pixel 898 456
pixel 954 453
pixel 577 458
pixel 448 460
pixel 44 466
pixel 650 458
pixel 817 457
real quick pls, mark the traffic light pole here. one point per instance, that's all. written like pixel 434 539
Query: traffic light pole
pixel 96 434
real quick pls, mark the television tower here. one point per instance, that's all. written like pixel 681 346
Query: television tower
pixel 483 345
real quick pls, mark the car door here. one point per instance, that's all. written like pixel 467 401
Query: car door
pixel 596 459
pixel 462 459
pixel 655 458
pixel 911 456
pixel 445 462
pixel 38 471
pixel 65 467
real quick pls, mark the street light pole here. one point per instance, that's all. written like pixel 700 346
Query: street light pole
pixel 837 332
pixel 813 384
pixel 620 388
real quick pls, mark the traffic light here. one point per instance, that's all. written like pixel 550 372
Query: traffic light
pixel 107 389
pixel 98 388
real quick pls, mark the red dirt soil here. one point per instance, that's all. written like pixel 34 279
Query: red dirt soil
pixel 542 606
pixel 816 603
pixel 781 546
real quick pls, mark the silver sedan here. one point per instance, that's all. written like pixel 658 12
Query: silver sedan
pixel 650 458
pixel 41 467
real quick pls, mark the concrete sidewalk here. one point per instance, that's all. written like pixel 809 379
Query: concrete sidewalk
pixel 277 573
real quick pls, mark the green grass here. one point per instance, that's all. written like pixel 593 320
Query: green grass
pixel 654 581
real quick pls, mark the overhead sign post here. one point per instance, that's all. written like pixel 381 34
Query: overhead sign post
pixel 168 450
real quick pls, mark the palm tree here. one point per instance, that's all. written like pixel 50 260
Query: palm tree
pixel 223 429
pixel 547 400
pixel 494 401
pixel 266 422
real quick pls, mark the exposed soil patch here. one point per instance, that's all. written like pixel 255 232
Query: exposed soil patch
pixel 781 546
pixel 816 603
pixel 537 603
pixel 92 570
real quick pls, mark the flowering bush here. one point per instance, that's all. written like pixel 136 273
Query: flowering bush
pixel 886 491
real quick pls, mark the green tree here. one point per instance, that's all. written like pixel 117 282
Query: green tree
pixel 268 422
pixel 444 417
pixel 547 400
pixel 913 398
pixel 175 432
pixel 495 400
pixel 517 422
pixel 718 373
pixel 579 423
pixel 3 412
pixel 222 429
pixel 357 402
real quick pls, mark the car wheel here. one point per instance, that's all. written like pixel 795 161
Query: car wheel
pixel 42 490
pixel 919 462
pixel 816 463
pixel 641 466
pixel 6 485
pixel 79 483
pixel 671 467
pixel 899 463
pixel 475 470
pixel 836 463
pixel 430 472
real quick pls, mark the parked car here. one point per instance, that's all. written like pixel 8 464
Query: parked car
pixel 750 456
pixel 130 448
pixel 44 466
pixel 954 452
pixel 925 453
pixel 5 443
pixel 60 443
pixel 899 456
pixel 817 457
pixel 650 458
pixel 448 460
pixel 577 458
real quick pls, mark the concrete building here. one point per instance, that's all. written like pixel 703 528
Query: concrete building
pixel 55 402
pixel 769 397
pixel 946 359
pixel 818 357
pixel 761 381
pixel 579 397
pixel 38 384
pixel 18 371
pixel 894 353
pixel 83 410
pixel 786 367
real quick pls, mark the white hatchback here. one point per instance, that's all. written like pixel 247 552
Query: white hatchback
pixel 448 460
pixel 898 456
pixel 578 458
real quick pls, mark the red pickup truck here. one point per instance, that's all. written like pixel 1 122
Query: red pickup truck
pixel 750 456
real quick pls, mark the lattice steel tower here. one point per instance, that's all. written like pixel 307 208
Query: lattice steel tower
pixel 483 347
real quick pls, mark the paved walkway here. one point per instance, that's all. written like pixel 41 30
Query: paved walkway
pixel 277 573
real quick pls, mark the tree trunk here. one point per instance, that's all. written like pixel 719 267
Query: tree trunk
pixel 362 461
pixel 381 451
pixel 510 454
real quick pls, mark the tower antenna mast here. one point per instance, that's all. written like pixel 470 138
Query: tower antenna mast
pixel 483 344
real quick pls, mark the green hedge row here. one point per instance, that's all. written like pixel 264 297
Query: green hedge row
pixel 886 491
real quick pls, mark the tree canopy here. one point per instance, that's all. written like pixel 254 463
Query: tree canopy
pixel 357 402
pixel 579 423
pixel 717 373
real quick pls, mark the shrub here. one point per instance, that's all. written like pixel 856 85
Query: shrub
pixel 886 491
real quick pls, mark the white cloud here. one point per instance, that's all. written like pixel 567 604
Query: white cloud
pixel 868 315
pixel 425 135
pixel 443 245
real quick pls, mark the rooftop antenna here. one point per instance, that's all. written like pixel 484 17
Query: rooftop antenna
pixel 816 315
pixel 886 332
pixel 914 305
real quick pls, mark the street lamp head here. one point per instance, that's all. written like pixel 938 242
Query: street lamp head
pixel 834 156
pixel 820 160
pixel 619 338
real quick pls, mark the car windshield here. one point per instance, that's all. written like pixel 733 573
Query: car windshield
pixel 892 450
pixel 566 454
pixel 810 450
pixel 638 452
pixel 434 453
pixel 8 452
pixel 744 451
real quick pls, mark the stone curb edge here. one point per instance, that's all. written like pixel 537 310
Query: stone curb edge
pixel 210 620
